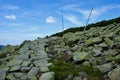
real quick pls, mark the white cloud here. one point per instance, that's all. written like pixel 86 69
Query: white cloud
pixel 10 17
pixel 33 28
pixel 9 7
pixel 97 12
pixel 73 19
pixel 71 6
pixel 50 19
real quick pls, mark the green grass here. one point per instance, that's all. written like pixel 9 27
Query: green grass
pixel 63 69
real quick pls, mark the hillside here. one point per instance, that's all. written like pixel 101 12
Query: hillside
pixel 81 28
pixel 93 55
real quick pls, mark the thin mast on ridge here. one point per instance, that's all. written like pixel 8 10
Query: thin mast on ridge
pixel 88 20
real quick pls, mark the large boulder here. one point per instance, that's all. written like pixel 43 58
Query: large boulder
pixel 32 72
pixel 2 74
pixel 40 54
pixel 105 67
pixel 79 56
pixel 115 73
pixel 117 39
pixel 22 56
pixel 111 52
pixel 15 68
pixel 15 62
pixel 47 76
pixel 109 42
pixel 10 77
pixel 97 52
pixel 92 40
pixel 39 63
pixel 70 38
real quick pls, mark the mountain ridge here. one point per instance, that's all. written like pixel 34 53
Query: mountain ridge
pixel 81 28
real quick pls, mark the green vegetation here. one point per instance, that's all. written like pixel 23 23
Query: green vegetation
pixel 6 50
pixel 23 43
pixel 63 69
pixel 98 24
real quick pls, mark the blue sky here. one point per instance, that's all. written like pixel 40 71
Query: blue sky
pixel 28 19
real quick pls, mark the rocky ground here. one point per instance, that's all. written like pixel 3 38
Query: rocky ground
pixel 90 55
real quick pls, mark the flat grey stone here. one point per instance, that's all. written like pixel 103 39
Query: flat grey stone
pixel 105 67
pixel 97 52
pixel 111 52
pixel 42 62
pixel 25 63
pixel 42 46
pixel 2 74
pixel 22 56
pixel 86 63
pixel 15 68
pixel 74 48
pixel 49 64
pixel 93 61
pixel 109 42
pixel 79 56
pixel 117 57
pixel 14 62
pixel 92 40
pixel 44 69
pixel 115 73
pixel 103 45
pixel 10 77
pixel 70 37
pixel 47 76
pixel 39 55
pixel 32 72
pixel 24 69
pixel 18 75
pixel 23 78
pixel 6 69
